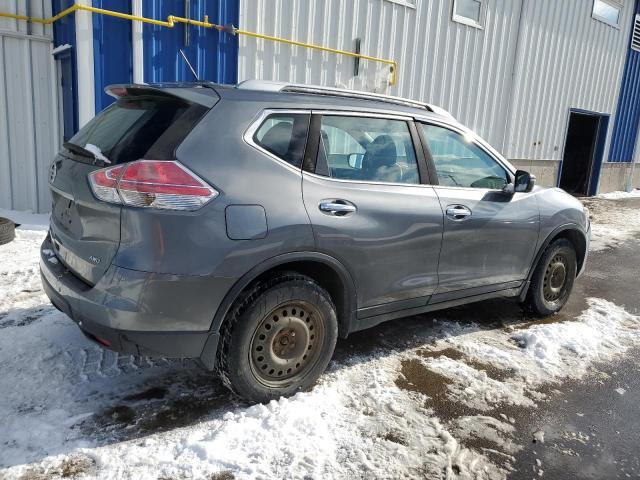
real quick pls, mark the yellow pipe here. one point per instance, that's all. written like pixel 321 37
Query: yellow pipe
pixel 392 63
pixel 172 20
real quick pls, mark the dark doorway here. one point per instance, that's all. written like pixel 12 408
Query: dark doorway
pixel 583 152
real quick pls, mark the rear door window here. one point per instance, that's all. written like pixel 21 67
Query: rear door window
pixel 366 149
pixel 284 135
pixel 148 127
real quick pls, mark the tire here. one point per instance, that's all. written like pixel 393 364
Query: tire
pixel 553 279
pixel 278 338
pixel 7 231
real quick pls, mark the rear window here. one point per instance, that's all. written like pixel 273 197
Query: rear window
pixel 148 127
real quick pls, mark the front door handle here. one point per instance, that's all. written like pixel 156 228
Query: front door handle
pixel 337 208
pixel 458 212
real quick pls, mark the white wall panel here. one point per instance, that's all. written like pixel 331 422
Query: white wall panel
pixel 567 60
pixel 28 108
pixel 513 81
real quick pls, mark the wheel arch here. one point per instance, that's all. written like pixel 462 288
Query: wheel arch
pixel 327 271
pixel 571 232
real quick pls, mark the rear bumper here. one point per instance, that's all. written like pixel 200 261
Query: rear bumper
pixel 139 313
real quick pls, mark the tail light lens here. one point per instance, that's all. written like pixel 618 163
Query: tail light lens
pixel 151 184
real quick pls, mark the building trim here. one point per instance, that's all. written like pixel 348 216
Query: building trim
pixel 137 43
pixel 85 65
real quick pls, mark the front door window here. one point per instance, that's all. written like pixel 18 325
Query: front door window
pixel 460 162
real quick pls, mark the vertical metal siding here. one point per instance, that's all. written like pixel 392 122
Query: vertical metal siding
pixel 112 50
pixel 28 109
pixel 513 81
pixel 567 60
pixel 625 129
pixel 213 54
pixel 464 69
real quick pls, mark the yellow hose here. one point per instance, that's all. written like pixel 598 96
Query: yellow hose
pixel 172 20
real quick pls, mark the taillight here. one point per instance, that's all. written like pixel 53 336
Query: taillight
pixel 152 184
pixel 104 184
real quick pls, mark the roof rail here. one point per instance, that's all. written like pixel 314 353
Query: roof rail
pixel 270 86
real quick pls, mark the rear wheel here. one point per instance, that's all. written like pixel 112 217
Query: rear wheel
pixel 553 278
pixel 278 339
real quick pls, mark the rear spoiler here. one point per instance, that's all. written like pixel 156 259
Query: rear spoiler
pixel 201 93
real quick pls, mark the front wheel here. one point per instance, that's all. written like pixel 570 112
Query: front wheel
pixel 278 339
pixel 553 278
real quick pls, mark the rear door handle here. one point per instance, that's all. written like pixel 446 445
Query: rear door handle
pixel 337 208
pixel 458 212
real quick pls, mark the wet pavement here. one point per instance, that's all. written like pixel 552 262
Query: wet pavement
pixel 591 427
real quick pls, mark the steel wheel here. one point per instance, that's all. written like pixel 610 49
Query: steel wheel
pixel 286 343
pixel 555 278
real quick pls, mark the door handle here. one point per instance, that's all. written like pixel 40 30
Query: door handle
pixel 458 212
pixel 337 208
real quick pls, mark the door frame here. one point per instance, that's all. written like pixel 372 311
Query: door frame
pixel 598 149
pixel 69 90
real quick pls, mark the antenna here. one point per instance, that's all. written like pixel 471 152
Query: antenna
pixel 195 75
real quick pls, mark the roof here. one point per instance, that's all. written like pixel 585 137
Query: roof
pixel 290 95
pixel 283 87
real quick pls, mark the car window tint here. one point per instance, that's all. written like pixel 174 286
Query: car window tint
pixel 460 162
pixel 366 149
pixel 284 135
pixel 134 128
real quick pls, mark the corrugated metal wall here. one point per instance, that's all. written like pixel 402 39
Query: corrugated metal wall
pixel 564 59
pixel 625 129
pixel 112 50
pixel 213 54
pixel 28 108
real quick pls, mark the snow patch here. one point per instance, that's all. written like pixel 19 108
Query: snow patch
pixel 356 422
pixel 612 223
pixel 538 436
pixel 635 193
pixel 601 331
pixel 26 219
pixel 60 48
pixel 97 151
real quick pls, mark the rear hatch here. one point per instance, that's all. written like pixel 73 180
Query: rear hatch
pixel 144 123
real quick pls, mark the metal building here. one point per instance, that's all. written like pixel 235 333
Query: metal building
pixel 554 85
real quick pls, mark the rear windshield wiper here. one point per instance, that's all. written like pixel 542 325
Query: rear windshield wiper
pixel 78 150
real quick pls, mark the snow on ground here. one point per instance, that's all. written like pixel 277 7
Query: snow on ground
pixel 428 409
pixel 635 193
pixel 32 221
pixel 612 221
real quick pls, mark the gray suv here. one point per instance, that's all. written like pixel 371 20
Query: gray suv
pixel 249 226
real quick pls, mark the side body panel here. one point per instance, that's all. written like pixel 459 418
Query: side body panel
pixel 557 209
pixel 494 245
pixel 196 243
pixel 390 244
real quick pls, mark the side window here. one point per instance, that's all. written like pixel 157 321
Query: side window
pixel 366 149
pixel 460 163
pixel 284 135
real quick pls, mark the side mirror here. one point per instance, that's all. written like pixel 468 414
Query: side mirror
pixel 524 181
